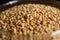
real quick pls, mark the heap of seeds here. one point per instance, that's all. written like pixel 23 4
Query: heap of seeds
pixel 29 22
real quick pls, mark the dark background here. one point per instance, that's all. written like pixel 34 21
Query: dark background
pixel 4 1
pixel 57 0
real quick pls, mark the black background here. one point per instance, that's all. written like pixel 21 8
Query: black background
pixel 57 0
pixel 4 1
